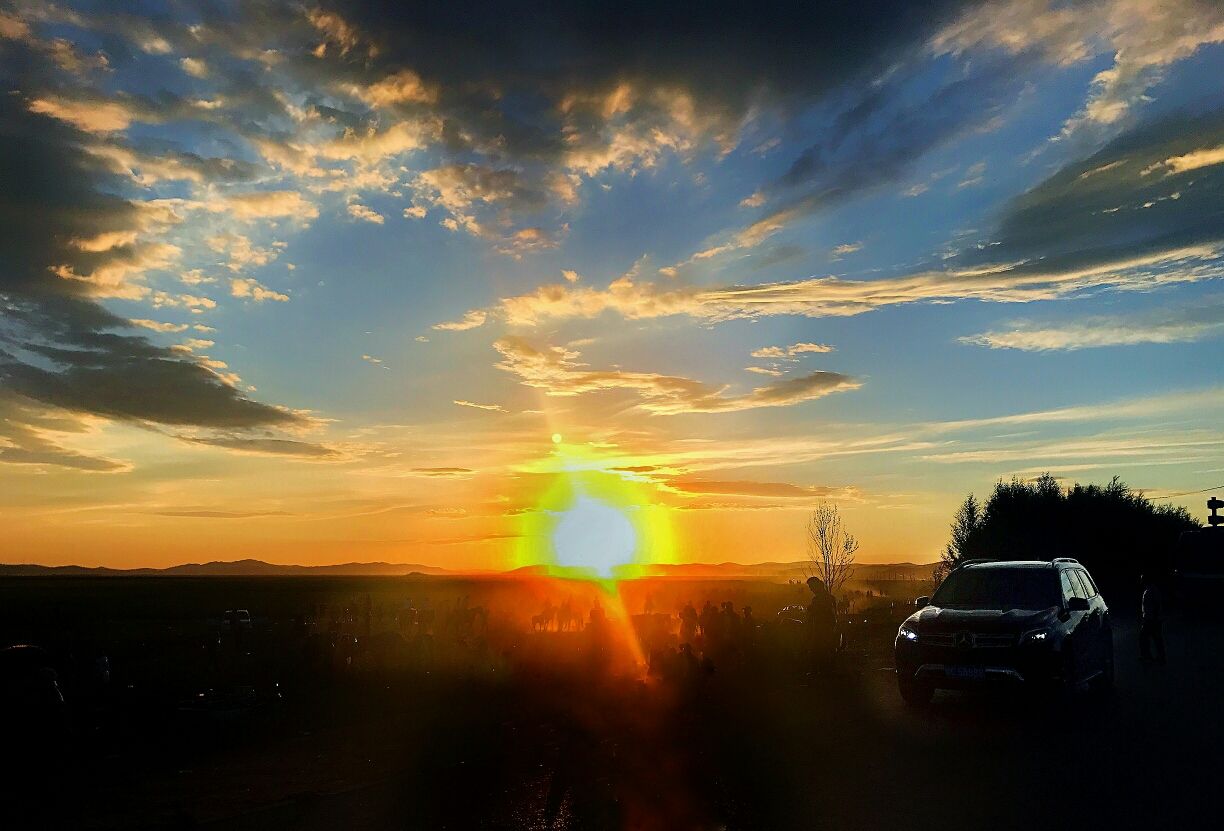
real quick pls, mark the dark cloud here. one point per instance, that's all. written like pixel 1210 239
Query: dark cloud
pixel 443 471
pixel 724 52
pixel 878 140
pixel 265 446
pixel 1142 192
pixel 58 346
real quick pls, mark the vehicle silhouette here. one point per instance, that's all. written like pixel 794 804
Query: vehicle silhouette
pixel 1021 624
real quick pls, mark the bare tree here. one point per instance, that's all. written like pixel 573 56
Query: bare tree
pixel 830 547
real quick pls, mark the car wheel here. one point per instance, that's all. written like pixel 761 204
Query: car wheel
pixel 915 693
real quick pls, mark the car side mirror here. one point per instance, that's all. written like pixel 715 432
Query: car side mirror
pixel 921 602
pixel 1077 604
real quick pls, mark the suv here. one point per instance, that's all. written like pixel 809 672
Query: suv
pixel 997 623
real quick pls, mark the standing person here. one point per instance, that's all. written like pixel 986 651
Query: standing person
pixel 821 619
pixel 1151 628
pixel 688 623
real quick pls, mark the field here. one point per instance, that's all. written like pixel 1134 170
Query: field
pixel 438 702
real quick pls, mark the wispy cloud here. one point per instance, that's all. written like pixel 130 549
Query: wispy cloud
pixel 1172 325
pixel 835 297
pixel 497 408
pixel 558 372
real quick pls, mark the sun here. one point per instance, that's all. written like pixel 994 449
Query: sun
pixel 592 518
pixel 594 535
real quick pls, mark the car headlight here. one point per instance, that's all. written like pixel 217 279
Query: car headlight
pixel 905 633
pixel 1035 636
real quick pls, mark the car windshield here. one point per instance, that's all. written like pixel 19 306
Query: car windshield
pixel 998 588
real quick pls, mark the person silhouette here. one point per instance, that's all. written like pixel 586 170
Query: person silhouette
pixel 1151 627
pixel 688 623
pixel 821 619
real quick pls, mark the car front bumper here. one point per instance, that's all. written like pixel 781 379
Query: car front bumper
pixel 947 668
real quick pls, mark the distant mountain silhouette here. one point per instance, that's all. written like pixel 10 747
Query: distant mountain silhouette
pixel 258 568
pixel 218 568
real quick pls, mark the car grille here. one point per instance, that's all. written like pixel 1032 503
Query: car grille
pixel 975 641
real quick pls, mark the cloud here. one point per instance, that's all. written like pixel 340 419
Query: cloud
pixel 250 289
pixel 498 408
pixel 242 253
pixel 60 348
pixel 33 434
pixel 168 165
pixel 207 514
pixel 264 446
pixel 444 472
pixel 772 490
pixel 792 350
pixel 1142 38
pixel 1127 197
pixel 845 248
pixel 472 320
pixel 402 87
pixel 364 213
pixel 91 116
pixel 487 202
pixel 1182 324
pixel 1099 223
pixel 158 326
pixel 974 174
pixel 1205 157
pixel 1022 282
pixel 557 371
pixel 273 204
pixel 1144 449
pixel 875 142
pixel 195 67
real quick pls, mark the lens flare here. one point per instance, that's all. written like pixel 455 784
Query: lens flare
pixel 594 535
pixel 593 519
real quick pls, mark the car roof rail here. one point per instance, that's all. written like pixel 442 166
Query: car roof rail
pixel 1065 560
pixel 978 561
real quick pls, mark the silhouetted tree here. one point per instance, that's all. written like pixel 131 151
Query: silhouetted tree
pixel 966 522
pixel 830 547
pixel 1114 531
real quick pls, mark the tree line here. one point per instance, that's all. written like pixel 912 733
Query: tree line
pixel 1115 531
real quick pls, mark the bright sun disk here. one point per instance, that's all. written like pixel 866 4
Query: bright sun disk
pixel 594 535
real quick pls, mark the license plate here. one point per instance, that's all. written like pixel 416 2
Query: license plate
pixel 966 673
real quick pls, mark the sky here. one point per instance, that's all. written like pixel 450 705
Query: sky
pixel 337 282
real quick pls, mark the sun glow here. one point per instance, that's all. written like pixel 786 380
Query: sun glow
pixel 594 535
pixel 592 521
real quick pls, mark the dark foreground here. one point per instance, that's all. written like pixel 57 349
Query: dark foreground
pixel 514 729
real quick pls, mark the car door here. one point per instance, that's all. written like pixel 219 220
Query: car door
pixel 1089 636
pixel 1103 637
pixel 1073 643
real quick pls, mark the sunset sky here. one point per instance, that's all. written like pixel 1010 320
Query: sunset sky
pixel 354 282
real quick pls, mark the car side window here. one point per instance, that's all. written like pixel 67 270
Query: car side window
pixel 1068 588
pixel 1086 579
pixel 1077 585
